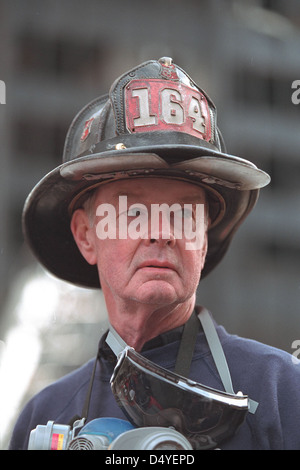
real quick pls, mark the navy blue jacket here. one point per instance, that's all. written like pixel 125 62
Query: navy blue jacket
pixel 266 374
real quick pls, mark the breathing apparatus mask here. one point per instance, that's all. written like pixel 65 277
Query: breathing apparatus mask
pixel 165 410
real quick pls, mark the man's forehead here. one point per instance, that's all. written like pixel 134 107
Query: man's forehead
pixel 180 191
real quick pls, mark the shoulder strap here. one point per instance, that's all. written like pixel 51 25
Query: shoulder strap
pixel 187 345
pixel 218 354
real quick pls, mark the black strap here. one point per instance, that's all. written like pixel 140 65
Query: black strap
pixel 86 405
pixel 187 346
pixel 85 409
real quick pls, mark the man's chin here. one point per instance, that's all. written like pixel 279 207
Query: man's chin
pixel 157 292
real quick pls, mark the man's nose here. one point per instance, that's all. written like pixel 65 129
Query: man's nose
pixel 162 232
pixel 162 240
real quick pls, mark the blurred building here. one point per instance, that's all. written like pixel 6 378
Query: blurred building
pixel 55 56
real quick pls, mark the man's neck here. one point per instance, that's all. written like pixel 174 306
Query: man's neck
pixel 139 324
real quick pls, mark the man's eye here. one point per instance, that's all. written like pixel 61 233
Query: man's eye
pixel 186 213
pixel 134 211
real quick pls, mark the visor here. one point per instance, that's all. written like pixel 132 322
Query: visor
pixel 150 395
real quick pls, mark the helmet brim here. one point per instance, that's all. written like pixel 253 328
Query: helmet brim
pixel 232 183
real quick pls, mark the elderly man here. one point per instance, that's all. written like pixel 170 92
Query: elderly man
pixel 144 204
pixel 149 282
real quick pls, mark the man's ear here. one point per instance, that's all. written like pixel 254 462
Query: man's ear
pixel 204 249
pixel 83 235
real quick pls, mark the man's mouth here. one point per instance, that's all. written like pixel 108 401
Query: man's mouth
pixel 159 265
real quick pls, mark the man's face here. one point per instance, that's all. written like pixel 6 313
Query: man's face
pixel 151 264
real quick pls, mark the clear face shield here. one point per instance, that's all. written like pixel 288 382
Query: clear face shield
pixel 150 395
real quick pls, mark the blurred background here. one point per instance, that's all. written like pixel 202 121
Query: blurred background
pixel 56 56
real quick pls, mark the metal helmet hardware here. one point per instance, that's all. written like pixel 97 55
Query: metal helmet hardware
pixel 155 122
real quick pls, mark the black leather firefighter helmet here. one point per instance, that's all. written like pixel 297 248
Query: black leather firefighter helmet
pixel 155 122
